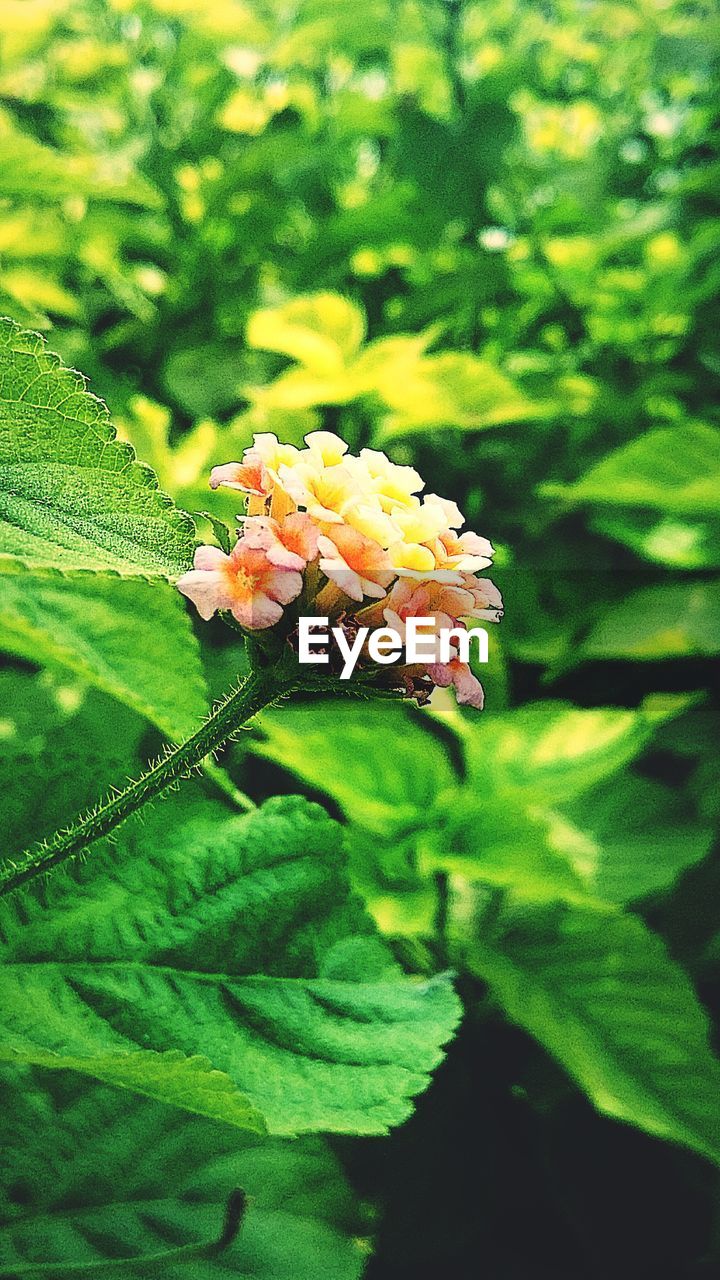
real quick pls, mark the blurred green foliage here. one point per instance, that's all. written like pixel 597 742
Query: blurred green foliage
pixel 484 237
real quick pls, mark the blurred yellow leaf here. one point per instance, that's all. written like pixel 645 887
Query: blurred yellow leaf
pixel 322 331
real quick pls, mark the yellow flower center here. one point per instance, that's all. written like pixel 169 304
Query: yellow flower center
pixel 246 581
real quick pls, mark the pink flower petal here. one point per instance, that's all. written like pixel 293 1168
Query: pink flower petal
pixel 360 553
pixel 487 601
pixel 209 558
pixel 440 674
pixel 246 583
pixel 283 585
pixel 300 534
pixel 262 533
pixel 401 593
pixel 257 613
pixel 290 543
pixel 474 545
pixel 250 477
pixel 335 568
pixel 372 589
pixel 207 590
pixel 468 688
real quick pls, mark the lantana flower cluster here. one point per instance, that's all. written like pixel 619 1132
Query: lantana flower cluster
pixel 348 538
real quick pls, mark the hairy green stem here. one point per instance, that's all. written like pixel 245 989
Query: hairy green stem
pixel 116 1266
pixel 258 691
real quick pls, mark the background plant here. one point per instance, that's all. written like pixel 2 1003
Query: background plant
pixel 484 238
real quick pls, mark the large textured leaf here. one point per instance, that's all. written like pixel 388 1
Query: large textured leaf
pixel 231 938
pixel 70 495
pixel 63 749
pixel 91 1174
pixel 600 992
pixel 131 638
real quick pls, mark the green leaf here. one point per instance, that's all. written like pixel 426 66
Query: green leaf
pixel 92 1174
pixel 233 938
pixel 658 494
pixel 388 773
pixel 672 469
pixel 504 846
pixel 383 767
pixel 413 817
pixel 395 887
pixel 668 621
pixel 540 818
pixel 629 837
pixel 32 171
pixel 323 331
pixel 549 752
pixel 62 748
pixel 204 380
pixel 600 993
pixel 622 840
pixel 34 293
pixel 130 638
pixel 70 495
pixel 300 389
pixel 680 542
pixel 454 389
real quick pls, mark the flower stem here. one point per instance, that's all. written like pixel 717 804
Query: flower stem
pixel 257 691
